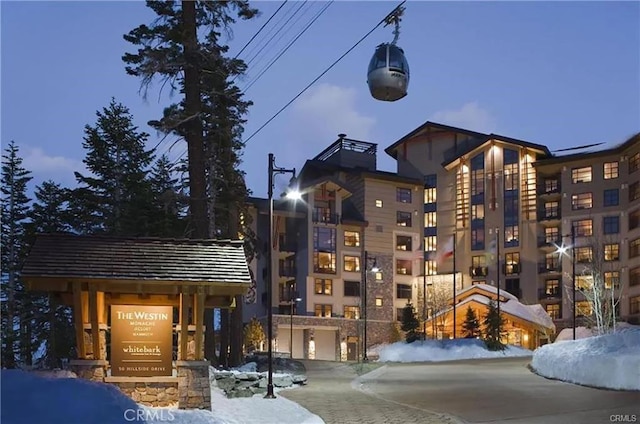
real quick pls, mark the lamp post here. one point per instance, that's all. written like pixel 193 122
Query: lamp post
pixel 292 304
pixel 374 268
pixel 562 250
pixel 273 170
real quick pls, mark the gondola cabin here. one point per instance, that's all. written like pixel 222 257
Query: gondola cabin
pixel 388 76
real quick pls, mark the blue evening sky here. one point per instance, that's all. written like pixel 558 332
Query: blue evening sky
pixel 556 73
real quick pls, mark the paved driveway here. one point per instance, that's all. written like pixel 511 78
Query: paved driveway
pixel 475 391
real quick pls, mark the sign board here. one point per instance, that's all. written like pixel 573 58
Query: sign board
pixel 141 340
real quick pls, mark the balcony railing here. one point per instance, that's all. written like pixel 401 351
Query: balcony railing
pixel 549 214
pixel 549 267
pixel 325 217
pixel 549 241
pixel 554 293
pixel 511 269
pixel 287 271
pixel 478 271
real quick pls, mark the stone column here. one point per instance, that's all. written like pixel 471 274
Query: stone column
pixel 306 337
pixel 191 342
pixel 194 387
pixel 88 341
pixel 89 369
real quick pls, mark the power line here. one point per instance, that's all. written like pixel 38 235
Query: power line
pixel 261 28
pixel 321 75
pixel 283 51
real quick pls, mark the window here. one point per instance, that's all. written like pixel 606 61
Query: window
pixel 378 203
pixel 352 288
pixel 429 219
pixel 611 279
pixel 634 248
pixel 352 238
pixel 612 252
pixel 403 243
pixel 581 201
pixel 583 228
pixel 583 282
pixel 552 288
pixel 512 263
pixel 551 185
pixel 634 305
pixel 323 286
pixel 324 263
pixel 611 225
pixel 324 246
pixel 399 312
pixel 610 170
pixel 430 188
pixel 511 169
pixel 403 291
pixel 511 236
pixel 378 301
pixel 611 197
pixel 352 312
pixel 322 311
pixel 403 266
pixel 378 276
pixel 634 191
pixel 430 267
pixel 634 219
pixel 551 210
pixel 479 266
pixel 477 239
pixel 403 219
pixel 352 263
pixel 634 276
pixel 634 163
pixel 584 254
pixel 477 174
pixel 477 211
pixel 583 308
pixel 581 175
pixel 430 243
pixel 403 195
pixel 554 311
pixel 552 235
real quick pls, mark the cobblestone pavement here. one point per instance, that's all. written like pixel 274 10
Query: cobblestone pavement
pixel 332 392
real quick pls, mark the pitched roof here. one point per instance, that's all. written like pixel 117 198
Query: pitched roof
pixel 142 259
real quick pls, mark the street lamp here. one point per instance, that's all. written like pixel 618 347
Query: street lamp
pixel 292 304
pixel 374 268
pixel 273 170
pixel 561 250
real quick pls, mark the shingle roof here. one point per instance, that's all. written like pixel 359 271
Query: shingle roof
pixel 141 259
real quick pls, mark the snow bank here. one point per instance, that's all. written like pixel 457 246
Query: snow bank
pixel 444 350
pixel 610 361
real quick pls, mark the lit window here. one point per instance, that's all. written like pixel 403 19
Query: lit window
pixel 583 308
pixel 583 228
pixel 378 301
pixel 403 219
pixel 581 175
pixel 430 243
pixel 554 311
pixel 582 201
pixel 403 243
pixel 611 279
pixel 431 267
pixel 610 170
pixel 323 286
pixel 584 254
pixel 352 238
pixel 352 312
pixel 403 195
pixel 403 266
pixel 634 163
pixel 322 311
pixel 378 203
pixel 430 220
pixel 378 276
pixel 612 252
pixel 352 263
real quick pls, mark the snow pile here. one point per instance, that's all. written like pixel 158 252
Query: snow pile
pixel 58 397
pixel 567 334
pixel 610 361
pixel 444 350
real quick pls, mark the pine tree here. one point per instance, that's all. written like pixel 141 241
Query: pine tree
pixel 471 325
pixel 410 323
pixel 208 117
pixel 253 335
pixel 168 203
pixel 117 198
pixel 52 321
pixel 14 210
pixel 493 328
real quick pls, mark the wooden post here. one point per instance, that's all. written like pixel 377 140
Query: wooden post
pixel 78 322
pixel 93 318
pixel 184 324
pixel 198 315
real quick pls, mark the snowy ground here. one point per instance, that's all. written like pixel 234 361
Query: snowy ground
pixel 610 361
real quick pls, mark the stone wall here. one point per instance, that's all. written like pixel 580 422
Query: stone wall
pixel 94 370
pixel 88 341
pixel 194 387
pixel 151 393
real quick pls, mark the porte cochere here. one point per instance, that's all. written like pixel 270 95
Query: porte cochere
pixel 133 300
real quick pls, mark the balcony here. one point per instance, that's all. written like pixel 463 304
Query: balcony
pixel 287 271
pixel 478 271
pixel 549 241
pixel 325 216
pixel 551 293
pixel 553 190
pixel 511 269
pixel 551 214
pixel 544 267
pixel 286 244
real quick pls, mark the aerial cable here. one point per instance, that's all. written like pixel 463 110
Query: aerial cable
pixel 261 28
pixel 283 51
pixel 323 73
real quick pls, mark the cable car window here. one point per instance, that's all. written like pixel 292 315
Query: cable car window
pixel 379 59
pixel 397 61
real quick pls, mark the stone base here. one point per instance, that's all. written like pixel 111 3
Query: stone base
pixel 194 387
pixel 149 391
pixel 89 369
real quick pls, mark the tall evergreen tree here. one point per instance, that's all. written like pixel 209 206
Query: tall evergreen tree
pixel 15 210
pixel 52 321
pixel 208 117
pixel 493 328
pixel 471 325
pixel 117 198
pixel 410 323
pixel 168 202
